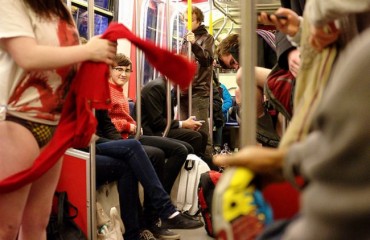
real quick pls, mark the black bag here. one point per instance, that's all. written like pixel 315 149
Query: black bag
pixel 61 225
pixel 206 187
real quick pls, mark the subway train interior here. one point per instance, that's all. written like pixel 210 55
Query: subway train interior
pixel 228 109
pixel 162 22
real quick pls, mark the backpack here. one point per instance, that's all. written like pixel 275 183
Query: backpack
pixel 239 210
pixel 186 198
pixel 207 183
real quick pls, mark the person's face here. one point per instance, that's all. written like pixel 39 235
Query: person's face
pixel 229 61
pixel 194 24
pixel 120 75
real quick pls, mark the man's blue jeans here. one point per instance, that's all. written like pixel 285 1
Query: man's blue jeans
pixel 126 161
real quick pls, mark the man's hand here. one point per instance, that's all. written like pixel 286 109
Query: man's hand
pixel 190 37
pixel 284 19
pixel 190 123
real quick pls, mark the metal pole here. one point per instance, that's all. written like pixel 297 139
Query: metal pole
pixel 210 125
pixel 69 4
pixel 138 78
pixel 190 90
pixel 91 190
pixel 248 83
pixel 168 84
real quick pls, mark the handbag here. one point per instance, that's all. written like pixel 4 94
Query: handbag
pixel 61 225
pixel 108 228
pixel 107 195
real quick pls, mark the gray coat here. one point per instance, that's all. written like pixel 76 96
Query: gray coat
pixel 335 157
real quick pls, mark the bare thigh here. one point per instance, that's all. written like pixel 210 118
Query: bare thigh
pixel 18 149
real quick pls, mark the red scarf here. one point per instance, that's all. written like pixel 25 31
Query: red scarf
pixel 90 90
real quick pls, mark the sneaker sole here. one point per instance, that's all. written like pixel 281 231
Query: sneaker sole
pixel 168 237
pixel 233 211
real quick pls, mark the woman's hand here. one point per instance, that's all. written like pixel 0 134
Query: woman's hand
pixel 294 61
pixel 322 37
pixel 266 162
pixel 101 50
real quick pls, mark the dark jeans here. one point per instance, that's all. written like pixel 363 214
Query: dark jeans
pixel 217 137
pixel 175 153
pixel 126 161
pixel 198 140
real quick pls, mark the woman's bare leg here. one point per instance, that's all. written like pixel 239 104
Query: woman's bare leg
pixel 18 149
pixel 38 206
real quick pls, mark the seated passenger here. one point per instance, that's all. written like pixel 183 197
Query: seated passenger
pixel 333 158
pixel 126 162
pixel 154 119
pixel 228 54
pixel 175 151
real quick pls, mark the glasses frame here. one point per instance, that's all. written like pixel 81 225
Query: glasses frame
pixel 120 70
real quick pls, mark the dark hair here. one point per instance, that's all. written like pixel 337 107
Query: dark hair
pixel 49 8
pixel 122 60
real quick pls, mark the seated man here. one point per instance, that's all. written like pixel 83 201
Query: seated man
pixel 175 151
pixel 228 55
pixel 126 161
pixel 154 120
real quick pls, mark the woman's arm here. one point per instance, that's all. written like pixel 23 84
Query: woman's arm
pixel 31 56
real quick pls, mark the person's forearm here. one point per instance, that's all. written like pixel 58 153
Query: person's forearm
pixel 320 12
pixel 31 56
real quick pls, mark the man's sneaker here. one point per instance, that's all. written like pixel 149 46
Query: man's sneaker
pixel 163 233
pixel 181 222
pixel 147 235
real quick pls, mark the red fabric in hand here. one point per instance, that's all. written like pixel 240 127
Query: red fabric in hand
pixel 90 90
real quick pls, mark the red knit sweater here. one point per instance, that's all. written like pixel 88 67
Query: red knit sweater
pixel 120 111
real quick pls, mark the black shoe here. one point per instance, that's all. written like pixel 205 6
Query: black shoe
pixel 181 222
pixel 163 233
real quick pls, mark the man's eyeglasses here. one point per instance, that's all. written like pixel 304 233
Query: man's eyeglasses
pixel 119 69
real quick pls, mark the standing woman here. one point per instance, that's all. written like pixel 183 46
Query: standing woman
pixel 39 52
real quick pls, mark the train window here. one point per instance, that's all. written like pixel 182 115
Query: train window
pixel 154 29
pixel 103 15
pixel 80 16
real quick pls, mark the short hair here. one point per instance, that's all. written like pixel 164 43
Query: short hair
pixel 122 60
pixel 226 46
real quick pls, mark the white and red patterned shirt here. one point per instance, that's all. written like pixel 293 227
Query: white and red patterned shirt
pixel 33 95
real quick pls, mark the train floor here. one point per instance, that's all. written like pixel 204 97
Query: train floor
pixel 193 234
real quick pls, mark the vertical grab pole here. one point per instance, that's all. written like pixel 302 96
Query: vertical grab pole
pixel 91 168
pixel 69 4
pixel 190 90
pixel 248 83
pixel 168 84
pixel 210 125
pixel 138 78
pixel 178 51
